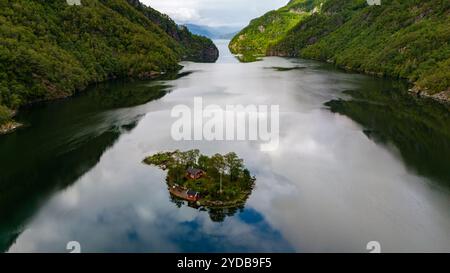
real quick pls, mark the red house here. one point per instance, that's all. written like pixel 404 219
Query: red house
pixel 183 193
pixel 193 195
pixel 192 173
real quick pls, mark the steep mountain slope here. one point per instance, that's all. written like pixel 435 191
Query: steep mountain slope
pixel 50 50
pixel 401 38
pixel 196 47
pixel 272 27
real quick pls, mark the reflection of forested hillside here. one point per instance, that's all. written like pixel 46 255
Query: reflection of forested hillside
pixel 23 191
pixel 420 129
pixel 64 140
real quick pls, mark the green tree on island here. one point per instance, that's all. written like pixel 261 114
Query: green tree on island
pixel 222 179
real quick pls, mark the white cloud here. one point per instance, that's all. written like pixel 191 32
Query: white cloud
pixel 215 12
pixel 185 14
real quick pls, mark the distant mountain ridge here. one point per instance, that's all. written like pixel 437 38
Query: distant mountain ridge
pixel 407 39
pixel 221 32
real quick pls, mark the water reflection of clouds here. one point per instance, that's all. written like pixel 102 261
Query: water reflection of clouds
pixel 247 232
pixel 348 191
pixel 327 188
pixel 122 205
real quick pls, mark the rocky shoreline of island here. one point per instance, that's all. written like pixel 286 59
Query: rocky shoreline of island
pixel 9 127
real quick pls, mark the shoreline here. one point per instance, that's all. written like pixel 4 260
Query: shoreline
pixel 12 125
pixel 441 97
pixel 9 127
pixel 217 204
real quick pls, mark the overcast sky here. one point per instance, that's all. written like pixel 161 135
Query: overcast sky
pixel 215 12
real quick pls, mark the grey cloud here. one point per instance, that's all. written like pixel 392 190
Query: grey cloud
pixel 214 12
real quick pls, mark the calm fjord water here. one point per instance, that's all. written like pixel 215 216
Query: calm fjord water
pixel 358 161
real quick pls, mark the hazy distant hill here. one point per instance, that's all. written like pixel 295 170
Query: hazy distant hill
pixel 222 32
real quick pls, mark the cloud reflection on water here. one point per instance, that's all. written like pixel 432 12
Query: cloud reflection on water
pixel 327 188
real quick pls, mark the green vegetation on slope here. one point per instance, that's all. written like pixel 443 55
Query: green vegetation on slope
pixel 5 114
pixel 50 50
pixel 195 48
pixel 272 27
pixel 401 38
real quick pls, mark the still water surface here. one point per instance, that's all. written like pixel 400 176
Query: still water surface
pixel 358 160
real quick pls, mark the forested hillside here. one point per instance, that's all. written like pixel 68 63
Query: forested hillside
pixel 196 48
pixel 50 50
pixel 400 38
pixel 272 27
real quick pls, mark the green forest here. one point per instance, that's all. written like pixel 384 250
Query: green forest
pixel 50 50
pixel 271 27
pixel 407 39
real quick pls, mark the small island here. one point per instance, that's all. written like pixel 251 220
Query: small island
pixel 219 181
